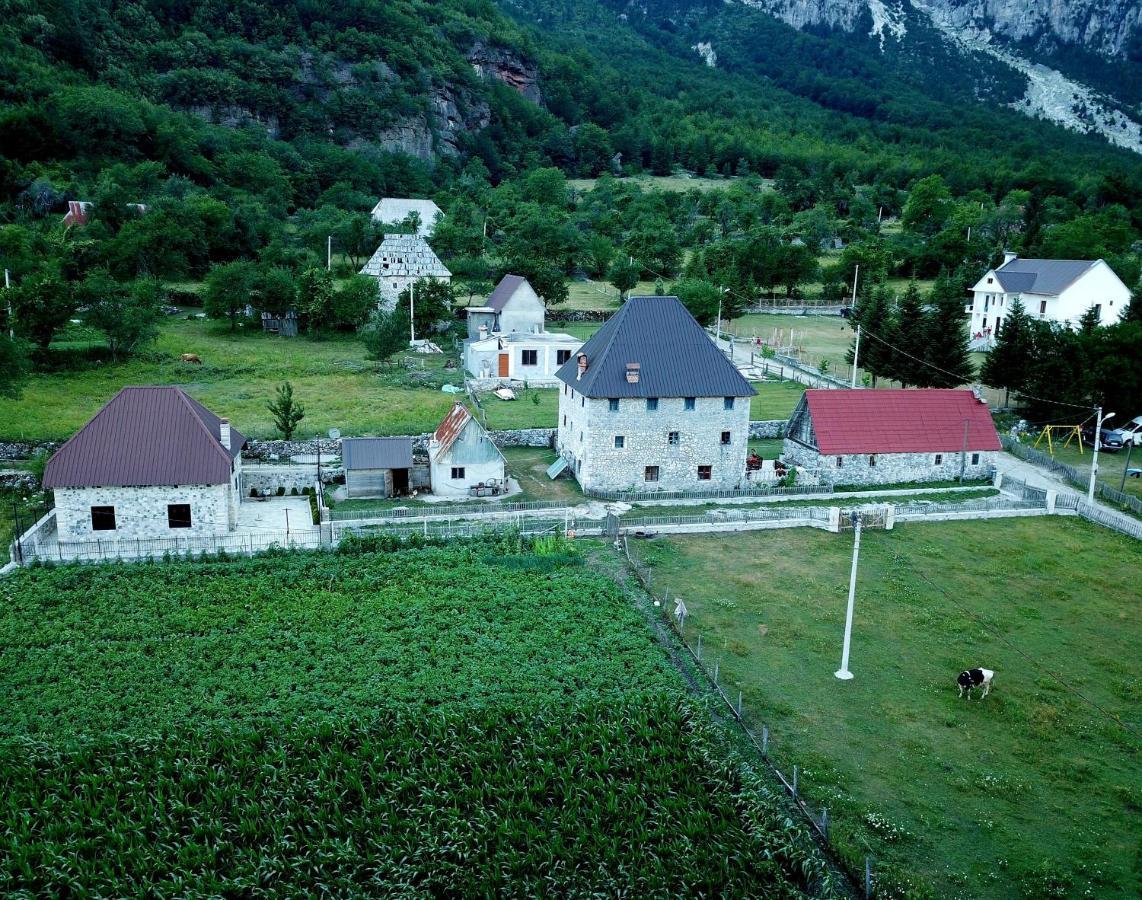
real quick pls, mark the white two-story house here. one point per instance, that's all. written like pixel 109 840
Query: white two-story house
pixel 508 340
pixel 650 403
pixel 1056 290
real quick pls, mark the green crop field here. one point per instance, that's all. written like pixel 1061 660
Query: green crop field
pixel 1035 791
pixel 478 719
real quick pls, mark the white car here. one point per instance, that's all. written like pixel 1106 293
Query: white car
pixel 1131 432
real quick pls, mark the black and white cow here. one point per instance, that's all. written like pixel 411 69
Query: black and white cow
pixel 974 678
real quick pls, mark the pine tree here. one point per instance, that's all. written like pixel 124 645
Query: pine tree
pixel 947 352
pixel 873 314
pixel 909 339
pixel 1009 364
pixel 1133 311
pixel 286 411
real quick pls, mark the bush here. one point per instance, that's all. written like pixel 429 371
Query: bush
pixel 293 491
pixel 281 490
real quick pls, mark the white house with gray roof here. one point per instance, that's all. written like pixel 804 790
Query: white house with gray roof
pixel 650 403
pixel 507 339
pixel 399 262
pixel 1055 290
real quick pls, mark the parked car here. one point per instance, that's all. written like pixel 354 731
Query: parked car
pixel 1112 439
pixel 1131 432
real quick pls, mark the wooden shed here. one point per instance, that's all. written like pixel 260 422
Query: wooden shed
pixel 284 324
pixel 376 467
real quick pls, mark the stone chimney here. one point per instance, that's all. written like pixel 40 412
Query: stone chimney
pixel 582 366
pixel 1008 256
pixel 224 432
pixel 634 370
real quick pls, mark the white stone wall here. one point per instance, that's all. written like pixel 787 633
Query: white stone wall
pixel 889 468
pixel 482 360
pixel 524 311
pixel 588 427
pixel 1099 286
pixel 141 512
pixel 446 486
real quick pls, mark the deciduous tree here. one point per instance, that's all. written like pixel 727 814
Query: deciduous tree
pixel 287 411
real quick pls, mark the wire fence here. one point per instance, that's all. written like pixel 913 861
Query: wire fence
pixel 1100 516
pixel 755 731
pixel 1077 477
pixel 987 505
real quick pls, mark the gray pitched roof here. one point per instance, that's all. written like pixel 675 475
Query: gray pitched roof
pixel 146 436
pixel 1041 276
pixel 675 355
pixel 376 453
pixel 405 256
pixel 508 285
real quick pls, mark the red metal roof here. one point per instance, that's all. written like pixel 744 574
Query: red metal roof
pixel 925 420
pixel 146 436
pixel 449 429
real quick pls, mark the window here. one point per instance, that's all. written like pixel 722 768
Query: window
pixel 939 459
pixel 178 515
pixel 872 460
pixel 529 357
pixel 727 403
pixel 565 419
pixel 583 400
pixel 651 473
pixel 103 518
pixel 1042 307
pixel 705 473
pixel 688 404
pixel 990 280
pixel 726 438
pixel 673 438
pixel 613 405
pixel 975 459
pixel 620 442
pixel 651 404
pixel 561 356
pixel 840 462
pixel 457 473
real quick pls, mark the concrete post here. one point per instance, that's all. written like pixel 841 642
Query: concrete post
pixel 1052 496
pixel 835 519
pixel 889 516
pixel 997 482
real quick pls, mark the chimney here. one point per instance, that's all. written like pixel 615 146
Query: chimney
pixel 633 372
pixel 483 332
pixel 224 432
pixel 582 366
pixel 1008 256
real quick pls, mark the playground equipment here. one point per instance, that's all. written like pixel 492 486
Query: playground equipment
pixel 1073 433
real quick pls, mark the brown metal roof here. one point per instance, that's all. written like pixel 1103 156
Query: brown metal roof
pixel 449 429
pixel 146 436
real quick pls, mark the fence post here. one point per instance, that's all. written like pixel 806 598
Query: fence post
pixel 794 781
pixel 739 704
pixel 765 741
pixel 699 646
pixel 867 877
pixel 717 663
pixel 825 824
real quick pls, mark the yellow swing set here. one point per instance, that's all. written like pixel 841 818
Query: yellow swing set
pixel 1072 432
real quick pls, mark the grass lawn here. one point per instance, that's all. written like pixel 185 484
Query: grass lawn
pixel 774 399
pixel 1032 792
pixel 421 721
pixel 662 183
pixel 1110 465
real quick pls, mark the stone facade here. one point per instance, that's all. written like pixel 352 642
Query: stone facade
pixel 141 512
pixel 399 262
pixel 889 468
pixel 588 428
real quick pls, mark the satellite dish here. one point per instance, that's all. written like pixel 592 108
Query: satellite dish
pixel 334 433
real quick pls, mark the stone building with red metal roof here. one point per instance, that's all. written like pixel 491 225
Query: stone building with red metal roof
pixel 152 463
pixel 884 437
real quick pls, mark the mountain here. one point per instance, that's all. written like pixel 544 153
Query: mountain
pixel 1074 62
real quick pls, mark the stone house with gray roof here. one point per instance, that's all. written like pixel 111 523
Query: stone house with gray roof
pixel 399 262
pixel 650 403
pixel 1055 290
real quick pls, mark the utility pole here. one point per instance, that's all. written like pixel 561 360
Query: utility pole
pixel 1126 467
pixel 1099 419
pixel 856 357
pixel 964 452
pixel 7 288
pixel 856 275
pixel 843 672
pixel 329 252
pixel 411 314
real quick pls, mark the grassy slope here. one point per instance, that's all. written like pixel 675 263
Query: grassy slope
pixel 972 797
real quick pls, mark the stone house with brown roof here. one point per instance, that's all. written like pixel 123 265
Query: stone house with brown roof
pixel 461 455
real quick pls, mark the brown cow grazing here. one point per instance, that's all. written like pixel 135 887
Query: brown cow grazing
pixel 191 358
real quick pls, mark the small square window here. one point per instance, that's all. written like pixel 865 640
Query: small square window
pixel 620 442
pixel 727 402
pixel 651 473
pixel 673 438
pixel 939 459
pixel 651 404
pixel 975 459
pixel 688 404
pixel 457 473
pixel 705 473
pixel 872 460
pixel 727 438
pixel 529 357
pixel 613 405
pixel 562 356
pixel 583 400
pixel 178 515
pixel 565 419
pixel 840 462
pixel 103 518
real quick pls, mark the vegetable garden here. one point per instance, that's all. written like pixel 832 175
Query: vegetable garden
pixel 489 717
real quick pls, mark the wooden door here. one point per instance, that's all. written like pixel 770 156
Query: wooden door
pixel 503 365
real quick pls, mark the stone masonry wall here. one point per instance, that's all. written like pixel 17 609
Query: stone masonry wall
pixel 890 468
pixel 141 512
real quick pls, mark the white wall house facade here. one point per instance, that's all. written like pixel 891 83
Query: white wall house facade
pixel 399 262
pixel 462 455
pixel 397 211
pixel 507 339
pixel 153 463
pixel 1054 290
pixel 650 404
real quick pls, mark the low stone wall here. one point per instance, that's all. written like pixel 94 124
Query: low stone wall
pixel 769 428
pixel 26 449
pixel 577 315
pixel 257 448
pixel 267 479
pixel 24 481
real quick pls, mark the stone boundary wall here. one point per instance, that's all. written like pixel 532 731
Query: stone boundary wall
pixel 18 481
pixel 771 428
pixel 577 315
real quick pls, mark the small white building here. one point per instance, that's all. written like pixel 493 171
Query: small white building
pixel 396 210
pixel 462 455
pixel 649 403
pixel 153 463
pixel 507 339
pixel 399 262
pixel 1055 290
